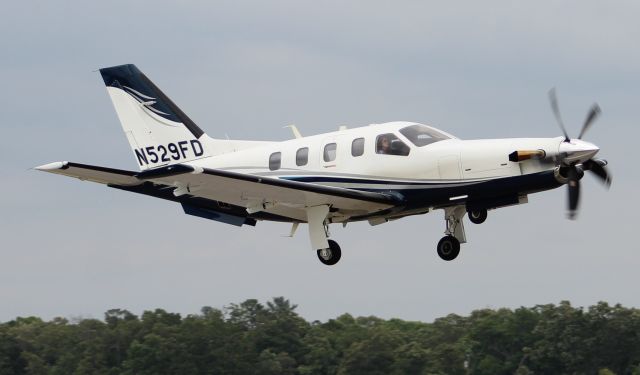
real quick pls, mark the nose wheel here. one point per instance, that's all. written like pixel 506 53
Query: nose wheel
pixel 478 216
pixel 331 255
pixel 448 248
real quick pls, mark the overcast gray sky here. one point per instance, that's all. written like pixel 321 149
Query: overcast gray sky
pixel 246 69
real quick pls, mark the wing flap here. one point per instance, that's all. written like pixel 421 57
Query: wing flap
pixel 260 193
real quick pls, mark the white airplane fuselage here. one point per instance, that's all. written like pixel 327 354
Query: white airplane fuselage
pixel 447 172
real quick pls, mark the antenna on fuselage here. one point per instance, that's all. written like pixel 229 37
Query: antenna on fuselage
pixel 294 130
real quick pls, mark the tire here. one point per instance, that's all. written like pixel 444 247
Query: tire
pixel 334 254
pixel 478 216
pixel 448 248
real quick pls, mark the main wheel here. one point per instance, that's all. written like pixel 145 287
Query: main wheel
pixel 478 216
pixel 448 248
pixel 331 255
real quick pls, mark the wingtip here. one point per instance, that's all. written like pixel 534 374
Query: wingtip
pixel 53 166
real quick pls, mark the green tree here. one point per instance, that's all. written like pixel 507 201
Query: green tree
pixel 156 354
pixel 321 356
pixel 281 329
pixel 11 361
pixel 371 356
pixel 251 338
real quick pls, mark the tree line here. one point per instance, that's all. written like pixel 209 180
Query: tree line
pixel 255 338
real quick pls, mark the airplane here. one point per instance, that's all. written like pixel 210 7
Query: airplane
pixel 376 173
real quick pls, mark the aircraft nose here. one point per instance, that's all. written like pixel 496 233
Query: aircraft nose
pixel 577 150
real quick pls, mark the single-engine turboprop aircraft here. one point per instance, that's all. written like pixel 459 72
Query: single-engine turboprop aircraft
pixel 376 173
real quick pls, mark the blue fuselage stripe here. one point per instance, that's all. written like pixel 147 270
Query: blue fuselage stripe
pixel 433 194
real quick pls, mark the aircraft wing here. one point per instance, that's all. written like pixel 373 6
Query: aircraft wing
pixel 257 194
pixel 101 175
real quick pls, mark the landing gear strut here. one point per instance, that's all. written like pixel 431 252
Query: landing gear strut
pixel 449 246
pixel 478 216
pixel 328 250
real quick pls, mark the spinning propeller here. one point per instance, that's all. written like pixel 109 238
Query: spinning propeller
pixel 575 156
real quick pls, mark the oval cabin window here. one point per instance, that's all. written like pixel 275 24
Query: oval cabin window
pixel 274 161
pixel 302 156
pixel 329 152
pixel 357 147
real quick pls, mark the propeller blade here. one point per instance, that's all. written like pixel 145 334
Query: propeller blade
pixel 556 111
pixel 598 170
pixel 574 192
pixel 593 114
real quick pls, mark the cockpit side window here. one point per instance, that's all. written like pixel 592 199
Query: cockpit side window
pixel 389 144
pixel 421 135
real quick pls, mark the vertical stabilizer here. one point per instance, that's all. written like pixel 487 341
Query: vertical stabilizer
pixel 158 131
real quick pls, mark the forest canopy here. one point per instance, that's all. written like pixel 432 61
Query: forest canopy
pixel 271 338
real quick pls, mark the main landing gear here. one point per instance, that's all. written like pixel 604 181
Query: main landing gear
pixel 449 246
pixel 328 250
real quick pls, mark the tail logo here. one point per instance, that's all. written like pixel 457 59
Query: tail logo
pixel 147 103
pixel 152 101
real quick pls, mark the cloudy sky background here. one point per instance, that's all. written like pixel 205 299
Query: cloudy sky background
pixel 246 69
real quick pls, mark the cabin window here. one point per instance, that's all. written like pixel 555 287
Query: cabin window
pixel 302 156
pixel 275 161
pixel 389 144
pixel 357 147
pixel 329 152
pixel 421 135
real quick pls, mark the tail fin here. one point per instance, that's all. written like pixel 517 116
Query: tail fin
pixel 157 130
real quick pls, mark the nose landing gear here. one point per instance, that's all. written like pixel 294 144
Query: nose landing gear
pixel 478 216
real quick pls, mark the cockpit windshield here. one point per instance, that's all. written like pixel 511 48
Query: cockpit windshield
pixel 422 135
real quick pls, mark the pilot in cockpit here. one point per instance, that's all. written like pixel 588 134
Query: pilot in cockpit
pixel 384 145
